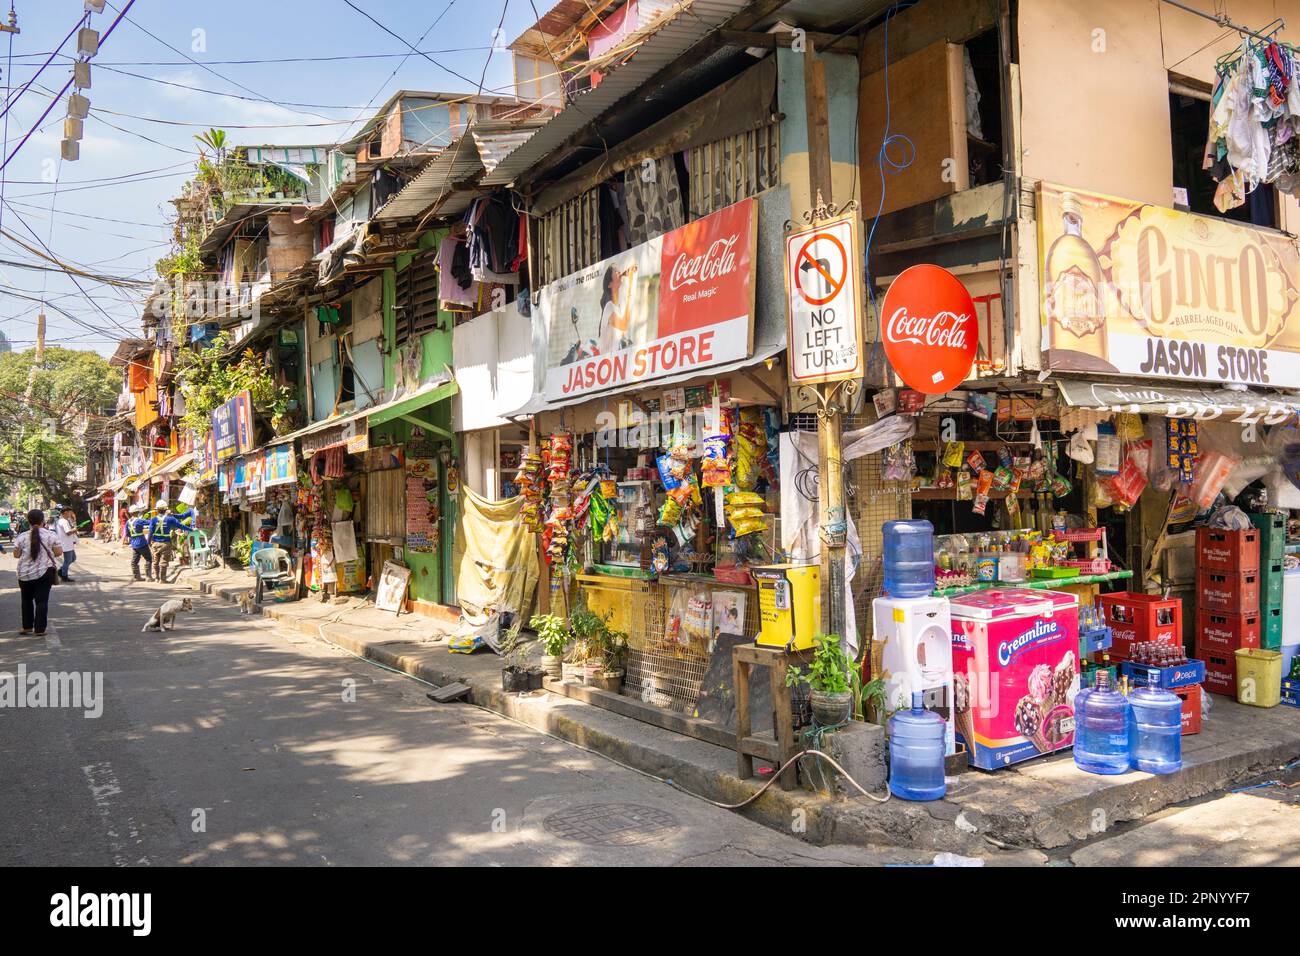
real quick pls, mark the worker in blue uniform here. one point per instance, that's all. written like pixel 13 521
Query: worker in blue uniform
pixel 163 527
pixel 137 527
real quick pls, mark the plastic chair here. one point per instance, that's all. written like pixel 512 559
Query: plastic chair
pixel 201 555
pixel 274 570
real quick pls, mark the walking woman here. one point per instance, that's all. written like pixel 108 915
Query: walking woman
pixel 36 551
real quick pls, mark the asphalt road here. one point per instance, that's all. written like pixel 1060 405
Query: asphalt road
pixel 229 742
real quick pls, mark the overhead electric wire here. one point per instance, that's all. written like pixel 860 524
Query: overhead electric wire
pixel 103 39
pixel 74 279
pixel 11 100
pixel 198 63
pixel 283 59
pixel 407 56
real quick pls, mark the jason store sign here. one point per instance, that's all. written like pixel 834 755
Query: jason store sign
pixel 1137 289
pixel 681 302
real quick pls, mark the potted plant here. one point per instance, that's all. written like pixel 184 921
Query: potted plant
pixel 828 677
pixel 514 669
pixel 553 633
pixel 613 651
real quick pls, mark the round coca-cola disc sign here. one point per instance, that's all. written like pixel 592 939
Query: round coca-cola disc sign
pixel 929 327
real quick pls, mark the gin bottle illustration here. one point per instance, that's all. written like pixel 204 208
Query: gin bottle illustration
pixel 1073 294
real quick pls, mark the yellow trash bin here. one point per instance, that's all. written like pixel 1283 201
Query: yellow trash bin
pixel 1259 677
pixel 789 605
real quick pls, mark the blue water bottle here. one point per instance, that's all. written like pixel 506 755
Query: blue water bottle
pixel 1103 728
pixel 1157 730
pixel 909 558
pixel 917 741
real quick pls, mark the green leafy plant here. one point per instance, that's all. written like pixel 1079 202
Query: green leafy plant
pixel 830 669
pixel 211 378
pixel 868 697
pixel 595 640
pixel 553 633
pixel 242 549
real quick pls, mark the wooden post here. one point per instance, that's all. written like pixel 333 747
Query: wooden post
pixel 834 526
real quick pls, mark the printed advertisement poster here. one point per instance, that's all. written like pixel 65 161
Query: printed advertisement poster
pixel 1138 289
pixel 422 504
pixel 280 465
pixel 232 427
pixel 679 302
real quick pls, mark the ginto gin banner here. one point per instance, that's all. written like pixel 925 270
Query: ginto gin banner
pixel 681 302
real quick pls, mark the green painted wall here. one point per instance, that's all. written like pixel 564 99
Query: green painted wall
pixel 431 574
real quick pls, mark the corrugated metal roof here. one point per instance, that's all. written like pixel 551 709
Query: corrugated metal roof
pixel 487 143
pixel 496 141
pixel 670 40
pixel 433 184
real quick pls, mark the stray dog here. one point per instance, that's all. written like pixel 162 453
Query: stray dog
pixel 164 619
pixel 246 602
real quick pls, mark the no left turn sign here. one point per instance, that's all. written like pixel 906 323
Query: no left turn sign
pixel 823 284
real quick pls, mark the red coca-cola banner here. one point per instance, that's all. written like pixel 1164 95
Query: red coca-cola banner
pixel 677 303
pixel 929 329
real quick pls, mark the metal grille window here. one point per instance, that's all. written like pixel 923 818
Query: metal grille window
pixel 569 237
pixel 386 505
pixel 417 298
pixel 733 168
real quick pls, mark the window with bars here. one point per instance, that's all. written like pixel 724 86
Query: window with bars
pixel 733 168
pixel 417 298
pixel 569 237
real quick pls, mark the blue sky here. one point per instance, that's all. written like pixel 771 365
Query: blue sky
pixel 72 217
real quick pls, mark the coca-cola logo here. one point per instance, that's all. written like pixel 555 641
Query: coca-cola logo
pixel 945 329
pixel 930 331
pixel 713 263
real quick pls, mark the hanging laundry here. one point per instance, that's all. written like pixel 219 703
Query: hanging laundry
pixel 456 287
pixel 1254 118
pixel 492 227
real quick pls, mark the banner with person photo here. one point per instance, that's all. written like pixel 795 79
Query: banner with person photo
pixel 680 302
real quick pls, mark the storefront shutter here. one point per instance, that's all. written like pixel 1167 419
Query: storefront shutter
pixel 386 505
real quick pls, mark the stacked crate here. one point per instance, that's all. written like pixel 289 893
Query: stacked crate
pixel 1272 552
pixel 1228 591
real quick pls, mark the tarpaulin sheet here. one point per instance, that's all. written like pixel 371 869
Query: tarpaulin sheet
pixel 496 558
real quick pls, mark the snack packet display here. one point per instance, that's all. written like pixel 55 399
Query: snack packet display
pixel 982 488
pixel 716 466
pixel 953 453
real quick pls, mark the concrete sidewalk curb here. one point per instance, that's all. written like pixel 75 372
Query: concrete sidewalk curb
pixel 1044 804
pixel 810 817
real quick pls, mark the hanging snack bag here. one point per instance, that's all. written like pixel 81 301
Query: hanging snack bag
pixel 976 461
pixel 953 452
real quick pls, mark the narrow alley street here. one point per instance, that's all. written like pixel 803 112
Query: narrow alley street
pixel 230 716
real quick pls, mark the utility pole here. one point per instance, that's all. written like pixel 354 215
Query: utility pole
pixel 40 357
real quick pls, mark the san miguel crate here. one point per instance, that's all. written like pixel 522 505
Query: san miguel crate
pixel 1272 534
pixel 1170 677
pixel 1218 549
pixel 1227 592
pixel 1191 698
pixel 1141 618
pixel 1228 632
pixel 1220 671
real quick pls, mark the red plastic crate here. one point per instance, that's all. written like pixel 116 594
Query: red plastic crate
pixel 1226 593
pixel 1233 551
pixel 1220 671
pixel 1139 618
pixel 1191 698
pixel 1225 633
